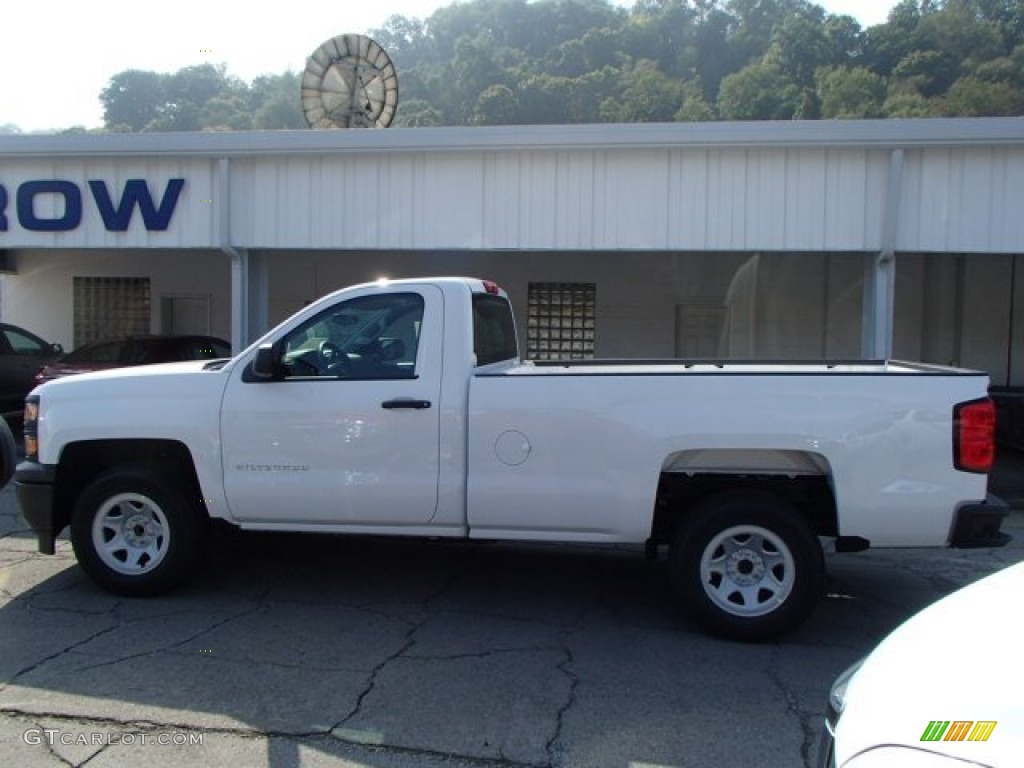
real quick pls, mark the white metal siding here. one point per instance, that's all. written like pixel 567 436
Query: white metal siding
pixel 963 200
pixel 657 199
pixel 810 187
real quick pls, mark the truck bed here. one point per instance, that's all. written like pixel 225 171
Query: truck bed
pixel 630 367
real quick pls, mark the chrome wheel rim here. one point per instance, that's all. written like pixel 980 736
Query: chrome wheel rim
pixel 747 571
pixel 130 534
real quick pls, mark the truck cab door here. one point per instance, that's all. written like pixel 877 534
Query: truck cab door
pixel 346 431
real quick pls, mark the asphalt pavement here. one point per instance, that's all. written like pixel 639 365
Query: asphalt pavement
pixel 292 650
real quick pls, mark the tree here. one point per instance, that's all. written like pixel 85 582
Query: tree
pixel 958 30
pixel 646 95
pixel 200 97
pixel 497 105
pixel 715 58
pixel 760 91
pixel 887 44
pixel 544 99
pixel 971 96
pixel 665 32
pixel 845 39
pixel 846 92
pixel 930 73
pixel 275 103
pixel 906 104
pixel 555 61
pixel 132 99
pixel 695 108
pixel 401 36
pixel 418 113
pixel 589 92
pixel 800 46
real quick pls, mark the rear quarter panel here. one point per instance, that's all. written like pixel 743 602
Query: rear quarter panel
pixel 572 455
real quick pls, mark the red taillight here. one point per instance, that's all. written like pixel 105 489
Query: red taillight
pixel 974 435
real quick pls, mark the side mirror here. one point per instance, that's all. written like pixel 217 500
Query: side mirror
pixel 264 365
pixel 57 349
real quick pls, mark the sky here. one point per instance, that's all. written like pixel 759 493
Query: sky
pixel 56 56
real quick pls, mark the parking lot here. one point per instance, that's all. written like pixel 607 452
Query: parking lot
pixel 330 651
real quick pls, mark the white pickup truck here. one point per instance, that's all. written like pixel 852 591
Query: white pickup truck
pixel 402 408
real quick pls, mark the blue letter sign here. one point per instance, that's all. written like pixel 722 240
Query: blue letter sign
pixel 136 191
pixel 72 216
pixel 116 216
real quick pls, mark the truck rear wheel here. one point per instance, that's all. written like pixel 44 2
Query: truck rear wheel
pixel 746 565
pixel 135 533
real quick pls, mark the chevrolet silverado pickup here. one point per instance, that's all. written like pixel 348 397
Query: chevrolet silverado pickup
pixel 403 408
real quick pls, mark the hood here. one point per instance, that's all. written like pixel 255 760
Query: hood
pixel 56 370
pixel 130 376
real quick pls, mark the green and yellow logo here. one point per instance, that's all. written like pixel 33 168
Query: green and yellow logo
pixel 958 730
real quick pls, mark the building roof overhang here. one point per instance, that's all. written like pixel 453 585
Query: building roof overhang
pixel 824 134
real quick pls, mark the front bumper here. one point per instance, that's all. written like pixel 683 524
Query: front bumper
pixel 34 484
pixel 977 525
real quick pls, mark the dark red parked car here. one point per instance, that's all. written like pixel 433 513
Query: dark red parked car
pixel 21 354
pixel 134 350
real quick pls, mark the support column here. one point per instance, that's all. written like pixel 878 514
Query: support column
pixel 879 307
pixel 877 319
pixel 249 297
pixel 249 283
pixel 239 298
pixel 259 295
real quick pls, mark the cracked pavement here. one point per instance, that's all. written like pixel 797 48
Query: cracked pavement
pixel 291 650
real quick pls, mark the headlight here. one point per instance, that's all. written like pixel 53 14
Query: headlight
pixel 837 695
pixel 836 705
pixel 31 426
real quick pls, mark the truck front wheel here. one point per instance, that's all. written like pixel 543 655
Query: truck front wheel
pixel 746 565
pixel 135 533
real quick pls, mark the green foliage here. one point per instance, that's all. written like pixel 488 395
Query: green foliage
pixel 971 96
pixel 646 95
pixel 418 113
pixel 759 91
pixel 274 103
pixel 489 62
pixel 133 99
pixel 695 108
pixel 846 92
pixel 910 103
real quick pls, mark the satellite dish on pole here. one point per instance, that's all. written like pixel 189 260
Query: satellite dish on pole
pixel 349 82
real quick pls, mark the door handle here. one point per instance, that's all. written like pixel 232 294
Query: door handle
pixel 405 402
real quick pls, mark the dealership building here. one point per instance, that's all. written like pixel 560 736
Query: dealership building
pixel 799 240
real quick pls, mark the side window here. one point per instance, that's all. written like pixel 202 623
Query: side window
pixel 109 352
pixel 137 352
pixel 202 349
pixel 22 344
pixel 371 337
pixel 494 332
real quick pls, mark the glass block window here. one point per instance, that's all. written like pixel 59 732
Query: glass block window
pixel 110 306
pixel 560 321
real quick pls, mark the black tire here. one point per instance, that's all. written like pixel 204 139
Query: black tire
pixel 746 565
pixel 154 532
pixel 8 453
